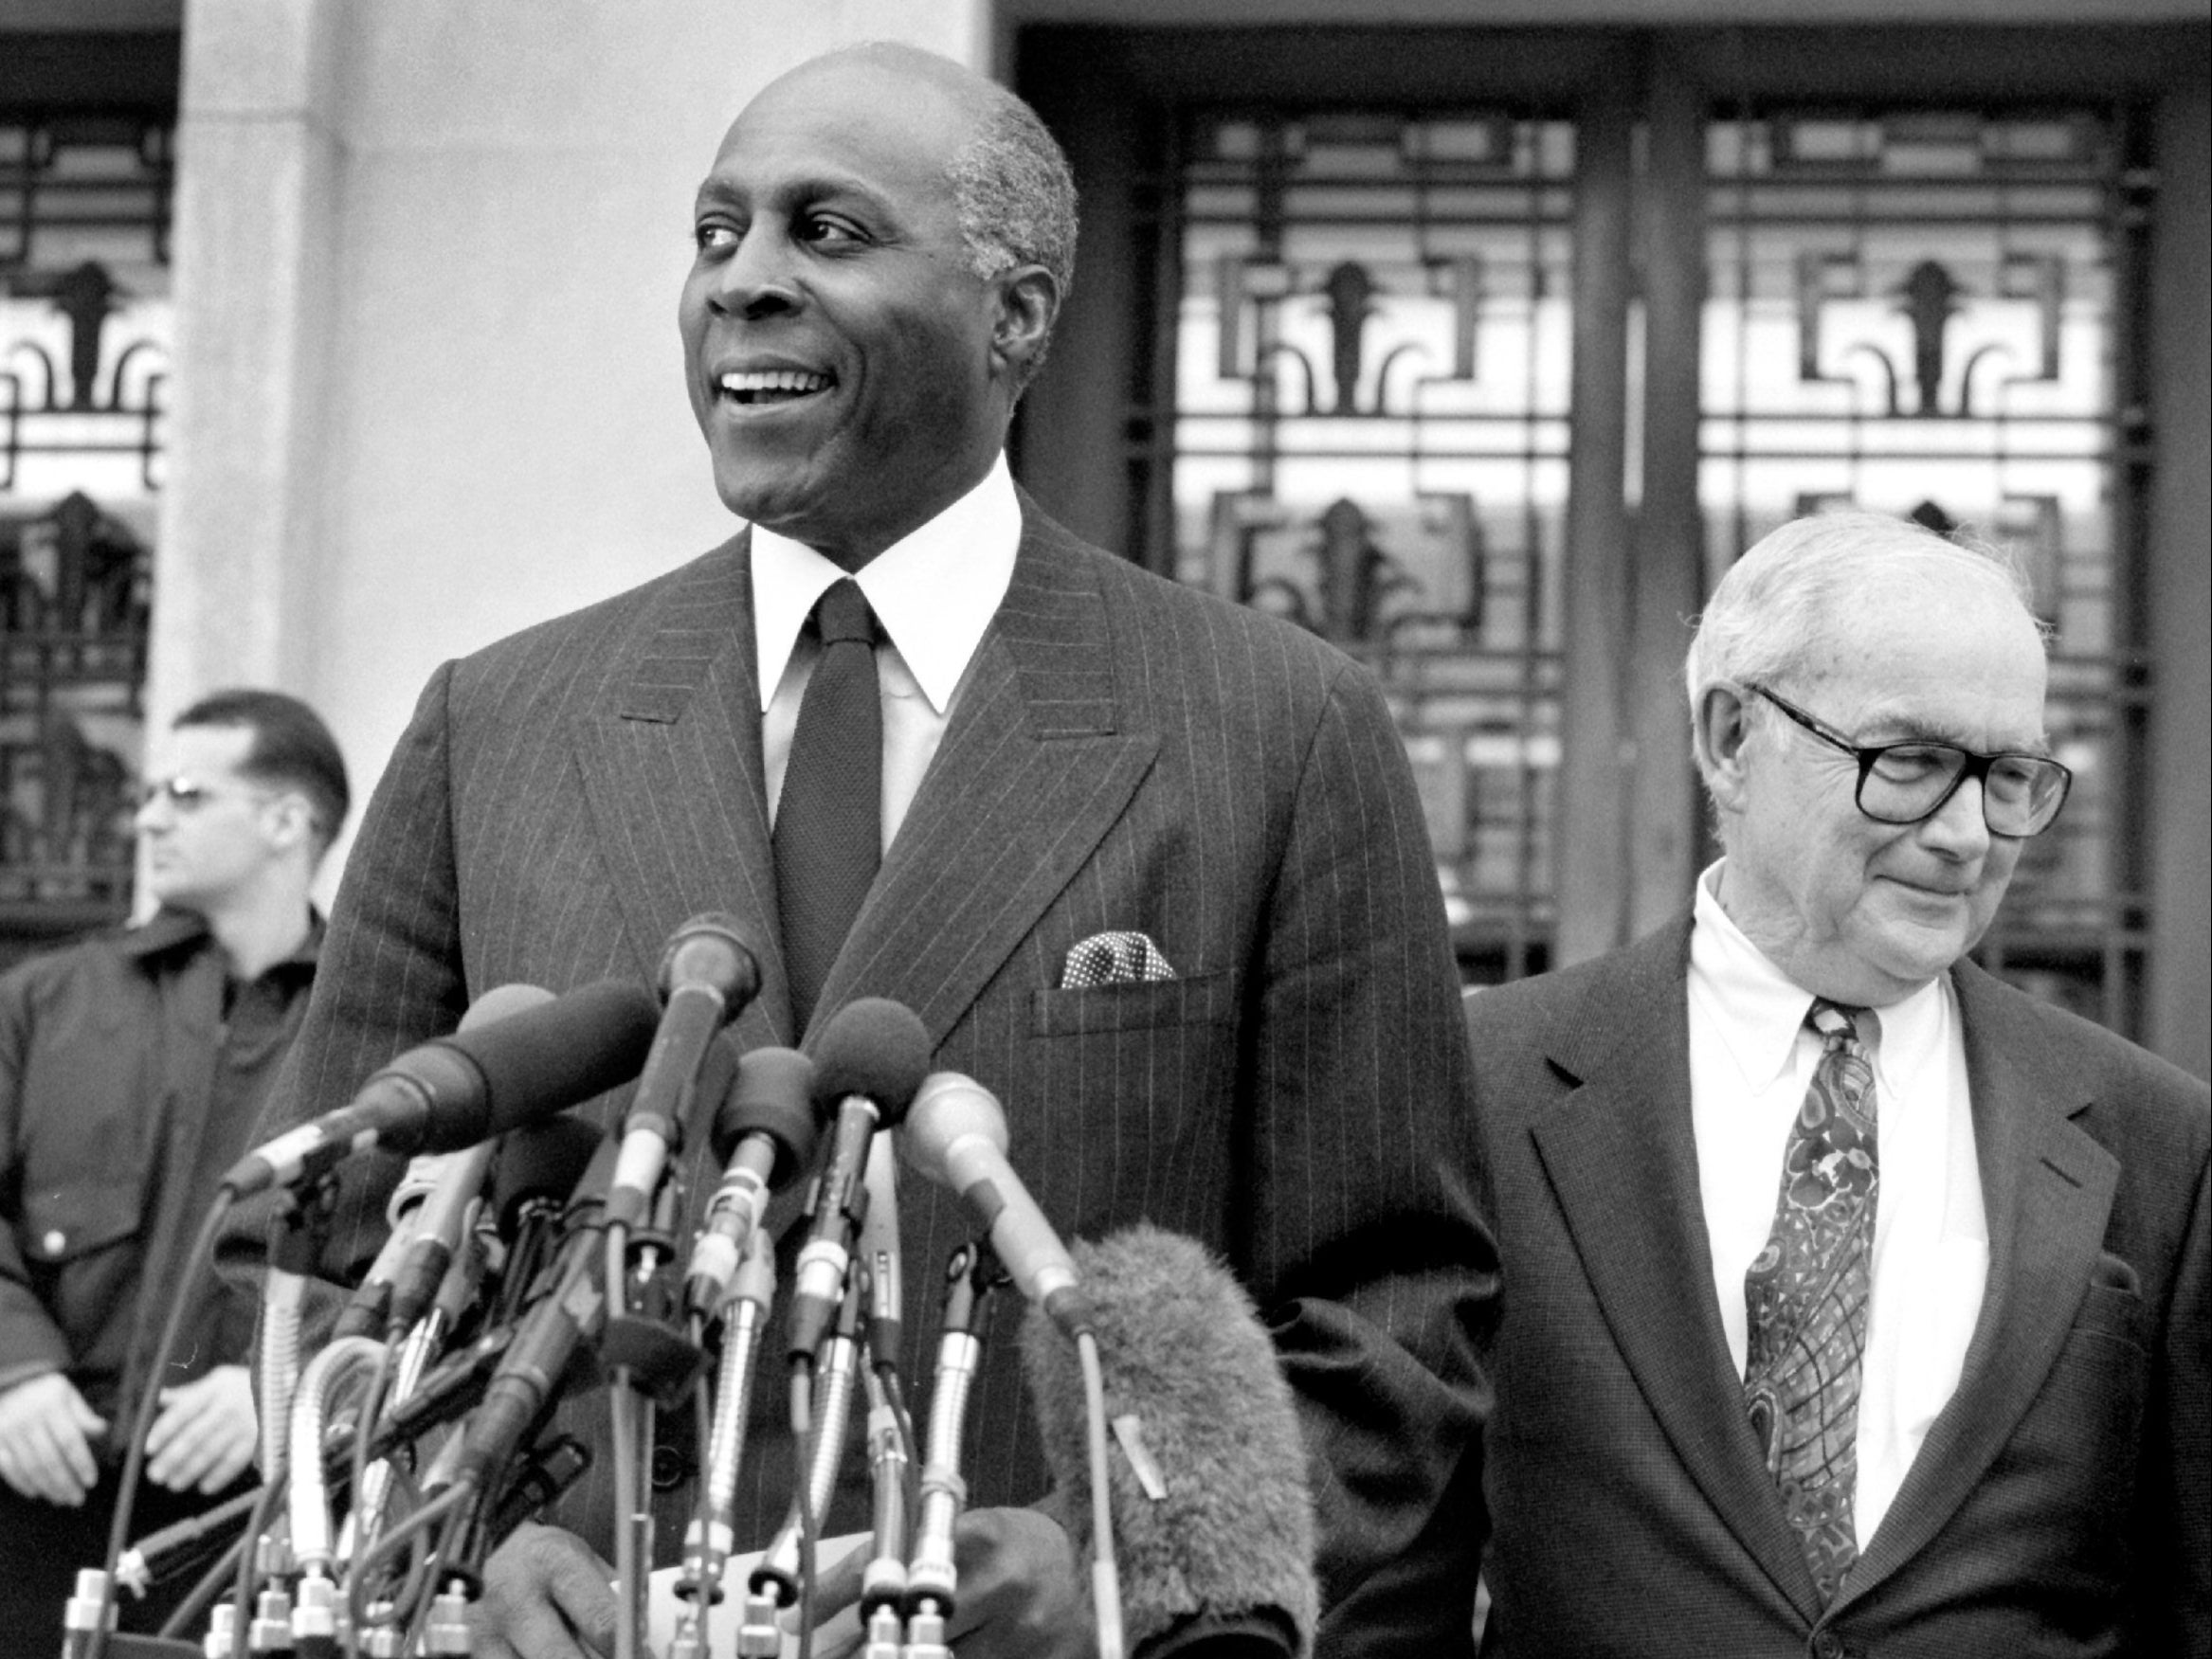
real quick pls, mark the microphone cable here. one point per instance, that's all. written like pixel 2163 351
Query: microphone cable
pixel 447 1511
pixel 119 1531
pixel 260 1511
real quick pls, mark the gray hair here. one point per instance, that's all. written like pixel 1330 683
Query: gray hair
pixel 1772 606
pixel 1016 197
pixel 1011 185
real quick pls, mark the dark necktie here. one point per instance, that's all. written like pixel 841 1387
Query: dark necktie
pixel 828 834
pixel 1806 1295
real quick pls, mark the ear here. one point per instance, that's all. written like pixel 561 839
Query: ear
pixel 1720 728
pixel 290 821
pixel 1026 304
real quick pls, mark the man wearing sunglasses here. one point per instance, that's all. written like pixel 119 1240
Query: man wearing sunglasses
pixel 132 1066
pixel 1856 1302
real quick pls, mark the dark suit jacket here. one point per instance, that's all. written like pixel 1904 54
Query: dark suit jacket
pixel 1127 754
pixel 2062 1502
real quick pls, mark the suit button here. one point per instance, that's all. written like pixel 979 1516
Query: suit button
pixel 1828 1644
pixel 671 1469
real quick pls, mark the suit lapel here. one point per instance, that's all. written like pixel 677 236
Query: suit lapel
pixel 2048 1193
pixel 670 761
pixel 1034 769
pixel 1621 1156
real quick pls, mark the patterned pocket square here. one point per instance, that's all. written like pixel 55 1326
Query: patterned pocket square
pixel 1114 959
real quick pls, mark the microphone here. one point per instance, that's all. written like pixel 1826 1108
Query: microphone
pixel 1212 1514
pixel 457 1090
pixel 878 1250
pixel 535 1363
pixel 367 1313
pixel 871 1058
pixel 765 1133
pixel 883 1580
pixel 708 975
pixel 538 1166
pixel 955 1135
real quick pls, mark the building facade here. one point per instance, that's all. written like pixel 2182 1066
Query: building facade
pixel 1477 338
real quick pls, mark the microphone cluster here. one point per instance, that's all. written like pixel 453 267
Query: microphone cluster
pixel 533 1258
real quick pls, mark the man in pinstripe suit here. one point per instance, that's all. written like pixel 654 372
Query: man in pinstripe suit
pixel 1071 747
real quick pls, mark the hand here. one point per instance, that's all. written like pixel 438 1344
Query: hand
pixel 1020 1594
pixel 205 1433
pixel 46 1448
pixel 546 1595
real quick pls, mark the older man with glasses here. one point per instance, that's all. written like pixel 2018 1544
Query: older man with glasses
pixel 1854 1302
pixel 132 1066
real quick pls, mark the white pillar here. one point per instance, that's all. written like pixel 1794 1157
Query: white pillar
pixel 252 252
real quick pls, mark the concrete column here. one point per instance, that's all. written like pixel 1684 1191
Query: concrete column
pixel 234 575
pixel 1592 801
pixel 2178 602
pixel 1663 834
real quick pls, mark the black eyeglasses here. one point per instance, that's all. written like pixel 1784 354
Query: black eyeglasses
pixel 1904 783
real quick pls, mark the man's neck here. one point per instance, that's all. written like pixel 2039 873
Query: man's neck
pixel 259 931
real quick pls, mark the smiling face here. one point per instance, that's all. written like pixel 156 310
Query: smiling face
pixel 1859 911
pixel 850 370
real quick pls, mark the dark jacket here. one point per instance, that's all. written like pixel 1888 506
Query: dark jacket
pixel 1127 754
pixel 2062 1502
pixel 113 1133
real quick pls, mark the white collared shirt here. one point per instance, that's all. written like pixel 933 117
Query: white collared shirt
pixel 1750 1061
pixel 933 593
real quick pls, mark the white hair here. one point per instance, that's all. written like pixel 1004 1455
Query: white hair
pixel 1012 188
pixel 1775 602
pixel 1778 601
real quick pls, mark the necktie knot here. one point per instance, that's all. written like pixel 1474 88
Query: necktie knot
pixel 843 616
pixel 1836 1024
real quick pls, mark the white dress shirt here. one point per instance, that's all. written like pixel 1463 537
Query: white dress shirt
pixel 1750 1061
pixel 933 594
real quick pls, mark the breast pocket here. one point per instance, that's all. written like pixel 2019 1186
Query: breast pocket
pixel 2112 1309
pixel 1200 1001
pixel 76 1241
pixel 1127 1101
pixel 65 1224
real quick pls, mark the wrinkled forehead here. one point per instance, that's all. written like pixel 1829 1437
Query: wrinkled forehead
pixel 1949 658
pixel 1937 610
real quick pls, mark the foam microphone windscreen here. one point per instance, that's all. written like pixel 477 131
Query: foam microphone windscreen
pixel 1213 1521
pixel 541 1161
pixel 875 1048
pixel 582 1044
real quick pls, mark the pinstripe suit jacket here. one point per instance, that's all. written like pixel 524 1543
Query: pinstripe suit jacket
pixel 1127 754
pixel 2063 1502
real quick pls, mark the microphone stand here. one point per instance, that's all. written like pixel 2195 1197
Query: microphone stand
pixel 708 1545
pixel 932 1577
pixel 650 1363
pixel 785 1573
pixel 884 1586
